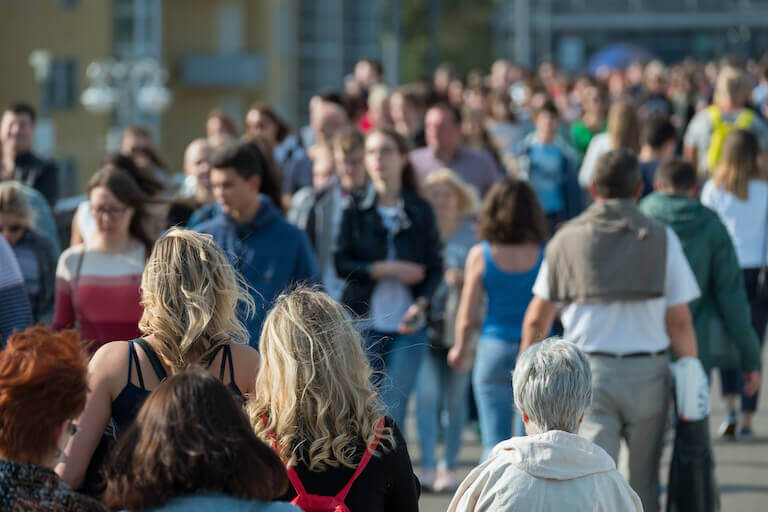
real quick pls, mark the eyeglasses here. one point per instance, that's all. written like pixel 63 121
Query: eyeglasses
pixel 109 212
pixel 13 228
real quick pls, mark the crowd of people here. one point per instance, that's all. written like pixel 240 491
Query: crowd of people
pixel 251 330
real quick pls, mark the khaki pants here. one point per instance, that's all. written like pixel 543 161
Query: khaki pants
pixel 631 402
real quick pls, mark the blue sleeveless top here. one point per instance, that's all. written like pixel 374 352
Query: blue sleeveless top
pixel 508 296
pixel 126 406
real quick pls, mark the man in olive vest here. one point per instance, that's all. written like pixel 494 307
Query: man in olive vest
pixel 623 285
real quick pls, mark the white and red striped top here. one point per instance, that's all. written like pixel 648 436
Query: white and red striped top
pixel 107 294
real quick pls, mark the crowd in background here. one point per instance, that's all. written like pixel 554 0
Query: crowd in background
pixel 425 209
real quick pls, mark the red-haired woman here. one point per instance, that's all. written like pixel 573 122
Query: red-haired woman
pixel 42 389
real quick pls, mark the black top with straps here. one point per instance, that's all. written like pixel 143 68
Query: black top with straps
pixel 127 404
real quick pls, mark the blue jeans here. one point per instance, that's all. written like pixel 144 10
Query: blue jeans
pixel 492 381
pixel 440 388
pixel 396 359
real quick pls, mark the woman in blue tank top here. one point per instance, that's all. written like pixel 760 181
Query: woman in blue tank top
pixel 503 266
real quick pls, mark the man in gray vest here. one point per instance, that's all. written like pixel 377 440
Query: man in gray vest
pixel 622 283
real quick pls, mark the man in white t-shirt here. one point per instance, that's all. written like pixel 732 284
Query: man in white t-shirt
pixel 623 285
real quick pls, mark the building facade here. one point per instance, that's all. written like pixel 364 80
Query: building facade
pixel 222 54
pixel 569 31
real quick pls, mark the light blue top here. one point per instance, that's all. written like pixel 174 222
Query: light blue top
pixel 547 175
pixel 508 296
pixel 219 502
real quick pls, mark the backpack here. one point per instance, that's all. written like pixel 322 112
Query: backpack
pixel 721 129
pixel 315 503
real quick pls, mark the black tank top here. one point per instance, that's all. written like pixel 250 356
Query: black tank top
pixel 127 404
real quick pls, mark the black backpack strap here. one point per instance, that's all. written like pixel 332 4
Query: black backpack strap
pixel 153 359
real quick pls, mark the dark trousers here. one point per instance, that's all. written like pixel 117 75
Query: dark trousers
pixel 732 381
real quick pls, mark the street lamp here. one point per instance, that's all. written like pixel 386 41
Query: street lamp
pixel 125 85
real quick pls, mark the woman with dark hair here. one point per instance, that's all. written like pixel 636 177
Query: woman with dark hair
pixel 43 385
pixel 389 253
pixel 192 448
pixel 503 266
pixel 109 264
pixel 84 223
pixel 262 121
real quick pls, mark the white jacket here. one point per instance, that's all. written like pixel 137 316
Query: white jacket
pixel 554 471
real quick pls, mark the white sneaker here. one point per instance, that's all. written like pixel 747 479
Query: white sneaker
pixel 445 481
pixel 427 479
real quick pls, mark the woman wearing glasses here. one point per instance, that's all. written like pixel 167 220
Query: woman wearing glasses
pixel 34 251
pixel 97 283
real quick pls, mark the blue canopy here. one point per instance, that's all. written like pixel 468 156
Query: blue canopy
pixel 617 56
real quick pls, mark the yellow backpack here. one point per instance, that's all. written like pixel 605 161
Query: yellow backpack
pixel 721 129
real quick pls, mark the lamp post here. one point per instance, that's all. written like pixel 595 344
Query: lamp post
pixel 133 89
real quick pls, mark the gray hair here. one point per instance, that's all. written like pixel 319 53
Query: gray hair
pixel 553 385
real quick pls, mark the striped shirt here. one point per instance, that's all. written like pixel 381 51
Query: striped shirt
pixel 15 312
pixel 104 299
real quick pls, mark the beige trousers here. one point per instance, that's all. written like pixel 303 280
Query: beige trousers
pixel 631 401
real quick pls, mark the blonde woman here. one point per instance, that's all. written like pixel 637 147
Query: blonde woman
pixel 439 386
pixel 739 194
pixel 623 132
pixel 314 402
pixel 190 294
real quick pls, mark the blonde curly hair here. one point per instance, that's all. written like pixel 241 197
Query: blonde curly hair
pixel 190 294
pixel 314 392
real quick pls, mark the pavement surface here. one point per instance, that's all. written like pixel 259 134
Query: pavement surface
pixel 741 467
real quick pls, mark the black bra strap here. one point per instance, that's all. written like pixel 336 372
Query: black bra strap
pixel 153 359
pixel 133 358
pixel 228 353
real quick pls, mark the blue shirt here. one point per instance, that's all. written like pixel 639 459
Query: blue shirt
pixel 547 175
pixel 272 255
pixel 508 296
pixel 219 502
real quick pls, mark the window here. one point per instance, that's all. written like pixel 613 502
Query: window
pixel 60 92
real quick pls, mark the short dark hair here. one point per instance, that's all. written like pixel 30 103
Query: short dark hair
pixel 330 96
pixel 348 141
pixel 549 107
pixel 677 174
pixel 511 214
pixel 617 174
pixel 657 130
pixel 21 107
pixel 247 159
pixel 190 435
pixel 447 107
pixel 240 156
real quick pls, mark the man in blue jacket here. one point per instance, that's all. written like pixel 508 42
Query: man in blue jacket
pixel 271 254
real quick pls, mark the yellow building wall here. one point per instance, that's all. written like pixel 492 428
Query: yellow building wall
pixel 83 32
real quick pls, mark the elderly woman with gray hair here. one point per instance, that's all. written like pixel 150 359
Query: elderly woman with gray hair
pixel 552 468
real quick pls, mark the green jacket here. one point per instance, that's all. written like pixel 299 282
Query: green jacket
pixel 721 316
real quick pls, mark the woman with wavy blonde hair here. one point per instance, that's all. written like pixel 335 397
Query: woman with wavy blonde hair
pixel 314 402
pixel 190 294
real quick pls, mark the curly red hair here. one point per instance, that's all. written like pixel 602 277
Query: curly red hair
pixel 43 382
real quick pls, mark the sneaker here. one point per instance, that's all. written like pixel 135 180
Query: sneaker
pixel 445 481
pixel 745 434
pixel 427 479
pixel 727 429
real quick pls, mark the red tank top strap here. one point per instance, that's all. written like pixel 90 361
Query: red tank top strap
pixel 342 496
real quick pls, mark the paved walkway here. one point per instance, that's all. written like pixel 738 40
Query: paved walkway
pixel 742 468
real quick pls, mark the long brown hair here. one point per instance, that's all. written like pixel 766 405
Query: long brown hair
pixel 191 436
pixel 409 180
pixel 739 163
pixel 127 191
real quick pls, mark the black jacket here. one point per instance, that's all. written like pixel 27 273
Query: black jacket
pixel 363 241
pixel 42 175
